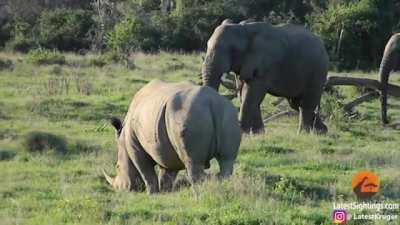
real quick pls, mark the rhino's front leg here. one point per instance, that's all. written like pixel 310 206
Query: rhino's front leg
pixel 145 165
pixel 166 179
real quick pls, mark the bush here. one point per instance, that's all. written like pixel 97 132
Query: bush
pixel 22 40
pixel 43 56
pixel 38 141
pixel 366 26
pixel 98 61
pixel 5 33
pixel 132 34
pixel 65 29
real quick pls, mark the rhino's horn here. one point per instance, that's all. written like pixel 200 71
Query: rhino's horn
pixel 108 178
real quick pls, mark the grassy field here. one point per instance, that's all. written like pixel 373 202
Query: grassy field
pixel 279 178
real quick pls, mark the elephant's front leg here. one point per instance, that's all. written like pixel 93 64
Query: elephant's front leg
pixel 253 93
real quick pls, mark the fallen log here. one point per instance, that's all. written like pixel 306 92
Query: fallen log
pixel 393 90
pixel 364 98
pixel 280 115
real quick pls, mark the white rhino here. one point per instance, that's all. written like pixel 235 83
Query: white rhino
pixel 175 126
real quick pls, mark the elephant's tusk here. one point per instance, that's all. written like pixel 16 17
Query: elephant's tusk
pixel 108 178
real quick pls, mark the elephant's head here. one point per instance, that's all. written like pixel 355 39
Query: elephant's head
pixel 128 178
pixel 224 50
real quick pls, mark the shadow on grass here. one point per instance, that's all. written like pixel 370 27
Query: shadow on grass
pixel 56 109
pixel 391 189
pixel 286 186
pixel 45 142
pixel 140 81
pixel 7 154
pixel 264 147
pixel 278 150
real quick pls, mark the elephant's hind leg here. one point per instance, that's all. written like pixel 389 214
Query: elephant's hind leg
pixel 166 179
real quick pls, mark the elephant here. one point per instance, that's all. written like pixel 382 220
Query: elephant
pixel 390 61
pixel 175 126
pixel 286 60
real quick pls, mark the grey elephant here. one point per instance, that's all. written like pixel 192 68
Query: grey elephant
pixel 175 126
pixel 390 61
pixel 287 61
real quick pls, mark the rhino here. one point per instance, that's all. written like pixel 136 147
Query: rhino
pixel 176 126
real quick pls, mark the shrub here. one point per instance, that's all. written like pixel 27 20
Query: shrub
pixel 81 146
pixel 38 141
pixel 22 38
pixel 65 29
pixel 7 155
pixel 5 64
pixel 43 56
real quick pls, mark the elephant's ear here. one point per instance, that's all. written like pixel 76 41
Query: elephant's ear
pixel 265 51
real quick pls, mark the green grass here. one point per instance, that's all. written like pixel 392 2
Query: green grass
pixel 279 178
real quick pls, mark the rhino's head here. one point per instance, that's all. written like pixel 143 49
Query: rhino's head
pixel 128 178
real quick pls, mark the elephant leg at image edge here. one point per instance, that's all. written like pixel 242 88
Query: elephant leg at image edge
pixel 250 117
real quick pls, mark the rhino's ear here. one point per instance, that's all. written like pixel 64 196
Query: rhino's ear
pixel 117 124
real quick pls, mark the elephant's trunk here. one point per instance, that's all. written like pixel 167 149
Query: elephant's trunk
pixel 214 66
pixel 384 72
pixel 211 80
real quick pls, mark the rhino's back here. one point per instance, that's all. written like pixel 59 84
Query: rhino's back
pixel 147 118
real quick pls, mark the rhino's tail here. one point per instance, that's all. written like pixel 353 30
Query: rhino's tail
pixel 217 124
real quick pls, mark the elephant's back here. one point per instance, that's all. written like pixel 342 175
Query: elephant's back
pixel 306 46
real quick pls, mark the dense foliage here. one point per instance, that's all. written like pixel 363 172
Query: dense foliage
pixel 65 29
pixel 355 31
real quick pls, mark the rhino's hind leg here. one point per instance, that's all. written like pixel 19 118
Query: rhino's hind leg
pixel 195 172
pixel 166 179
pixel 225 168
